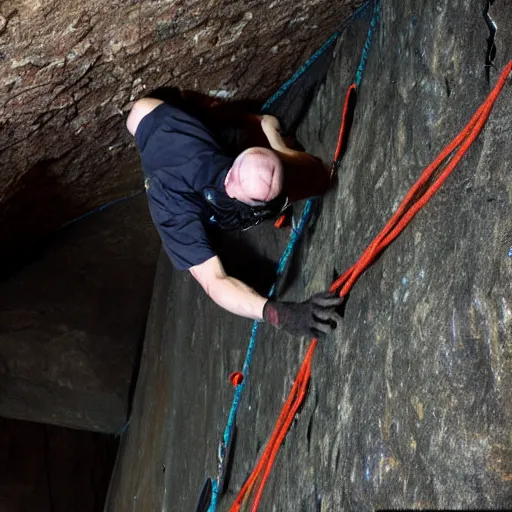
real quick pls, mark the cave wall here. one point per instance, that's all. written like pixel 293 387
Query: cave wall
pixel 72 320
pixel 70 72
pixel 409 404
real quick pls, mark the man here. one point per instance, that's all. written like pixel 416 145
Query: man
pixel 191 181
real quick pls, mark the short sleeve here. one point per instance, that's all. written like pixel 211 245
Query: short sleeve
pixel 169 137
pixel 182 230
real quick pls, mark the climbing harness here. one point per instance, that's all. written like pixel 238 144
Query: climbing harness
pixel 224 445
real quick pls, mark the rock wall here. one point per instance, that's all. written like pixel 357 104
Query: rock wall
pixel 70 72
pixel 72 320
pixel 410 402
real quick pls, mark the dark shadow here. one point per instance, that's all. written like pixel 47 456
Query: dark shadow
pixel 23 220
pixel 205 498
pixel 242 259
pixel 229 464
pixel 294 267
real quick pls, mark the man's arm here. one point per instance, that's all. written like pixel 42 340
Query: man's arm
pixel 305 174
pixel 272 130
pixel 228 292
pixel 313 317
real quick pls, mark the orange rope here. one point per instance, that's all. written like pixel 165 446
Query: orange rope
pixel 399 220
pixel 341 136
pixel 293 402
pixel 406 211
pixel 297 393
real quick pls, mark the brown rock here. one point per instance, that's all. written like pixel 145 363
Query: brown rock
pixel 70 72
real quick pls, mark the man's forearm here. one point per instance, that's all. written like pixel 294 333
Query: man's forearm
pixel 311 317
pixel 278 144
pixel 238 298
pixel 275 139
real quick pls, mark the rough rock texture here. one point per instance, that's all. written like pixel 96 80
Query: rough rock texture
pixel 72 321
pixel 410 403
pixel 184 376
pixel 71 70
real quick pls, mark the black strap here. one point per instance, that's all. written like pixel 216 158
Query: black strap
pixel 231 214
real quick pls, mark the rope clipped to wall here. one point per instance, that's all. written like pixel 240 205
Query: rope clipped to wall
pixel 411 204
pixel 258 478
pixel 215 487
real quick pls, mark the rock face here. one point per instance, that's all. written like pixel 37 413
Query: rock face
pixel 70 72
pixel 410 402
pixel 72 321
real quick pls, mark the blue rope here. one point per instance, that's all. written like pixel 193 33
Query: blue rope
pixel 357 13
pixel 248 358
pixel 366 48
pixel 296 233
pixel 101 208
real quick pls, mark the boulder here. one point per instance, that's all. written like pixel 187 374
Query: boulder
pixel 72 320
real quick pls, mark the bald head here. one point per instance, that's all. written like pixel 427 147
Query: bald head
pixel 256 175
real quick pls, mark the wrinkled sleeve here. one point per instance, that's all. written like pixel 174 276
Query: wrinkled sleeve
pixel 181 227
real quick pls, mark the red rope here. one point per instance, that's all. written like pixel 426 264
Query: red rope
pixel 293 402
pixel 399 220
pixel 341 136
pixel 410 207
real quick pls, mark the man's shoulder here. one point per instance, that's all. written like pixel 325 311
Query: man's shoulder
pixel 175 143
pixel 173 123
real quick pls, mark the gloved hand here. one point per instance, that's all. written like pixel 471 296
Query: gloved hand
pixel 314 317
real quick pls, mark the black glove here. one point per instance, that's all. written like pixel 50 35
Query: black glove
pixel 314 317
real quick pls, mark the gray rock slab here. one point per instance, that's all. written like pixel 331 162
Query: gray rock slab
pixel 409 404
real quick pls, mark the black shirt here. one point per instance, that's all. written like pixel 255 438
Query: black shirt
pixel 180 157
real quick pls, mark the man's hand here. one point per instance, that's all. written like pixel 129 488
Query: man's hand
pixel 314 317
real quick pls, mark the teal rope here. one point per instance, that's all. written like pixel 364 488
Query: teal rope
pixel 101 208
pixel 357 13
pixel 366 48
pixel 302 223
